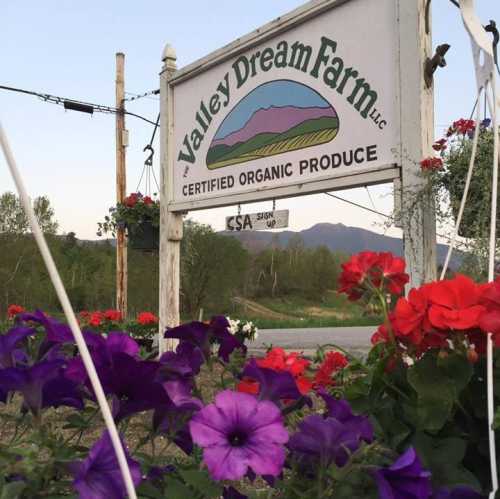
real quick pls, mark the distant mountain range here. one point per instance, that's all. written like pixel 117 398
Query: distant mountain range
pixel 336 237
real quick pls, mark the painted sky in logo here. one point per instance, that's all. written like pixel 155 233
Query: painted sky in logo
pixel 276 117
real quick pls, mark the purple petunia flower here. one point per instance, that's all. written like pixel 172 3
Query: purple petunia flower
pixel 232 493
pixel 173 416
pixel 196 333
pixel 341 411
pixel 9 343
pixel 321 441
pixel 30 381
pixel 56 331
pixel 99 476
pixel 200 335
pixel 228 342
pixel 404 479
pixel 178 366
pixel 238 432
pixel 273 385
pixel 460 492
pixel 102 351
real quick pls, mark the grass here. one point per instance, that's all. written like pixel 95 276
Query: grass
pixel 334 311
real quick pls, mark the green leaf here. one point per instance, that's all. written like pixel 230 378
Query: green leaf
pixel 75 421
pixel 458 369
pixel 12 490
pixel 200 481
pixel 147 490
pixel 177 490
pixel 443 457
pixel 436 393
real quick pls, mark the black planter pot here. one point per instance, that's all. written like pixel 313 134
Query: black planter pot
pixel 144 236
pixel 146 343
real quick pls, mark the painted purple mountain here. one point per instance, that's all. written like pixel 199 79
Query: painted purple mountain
pixel 275 120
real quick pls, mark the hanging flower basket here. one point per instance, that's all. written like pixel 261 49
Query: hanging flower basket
pixel 477 215
pixel 447 175
pixel 140 215
pixel 144 236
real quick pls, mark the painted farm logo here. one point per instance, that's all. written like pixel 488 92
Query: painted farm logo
pixel 277 117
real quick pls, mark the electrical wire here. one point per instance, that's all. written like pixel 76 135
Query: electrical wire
pixel 366 208
pixel 140 96
pixel 63 101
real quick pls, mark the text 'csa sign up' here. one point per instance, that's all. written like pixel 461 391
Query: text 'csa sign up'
pixel 264 220
pixel 306 104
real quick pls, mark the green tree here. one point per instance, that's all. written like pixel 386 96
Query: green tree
pixel 213 269
pixel 13 220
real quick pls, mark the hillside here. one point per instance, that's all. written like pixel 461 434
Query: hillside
pixel 336 237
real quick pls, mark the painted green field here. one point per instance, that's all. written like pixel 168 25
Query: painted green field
pixel 307 134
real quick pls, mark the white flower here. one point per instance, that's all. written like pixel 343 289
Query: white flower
pixel 408 360
pixel 247 328
pixel 233 326
pixel 255 335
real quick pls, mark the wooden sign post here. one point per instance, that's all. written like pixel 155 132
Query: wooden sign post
pixel 328 97
pixel 170 222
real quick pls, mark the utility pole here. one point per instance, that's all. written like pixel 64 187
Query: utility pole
pixel 121 185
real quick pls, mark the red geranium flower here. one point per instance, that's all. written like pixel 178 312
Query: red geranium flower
pixel 463 126
pixel 84 314
pixel 333 362
pixel 147 318
pixel 113 315
pixel 489 322
pixel 455 304
pixel 278 360
pixel 96 319
pixel 367 268
pixel 410 318
pixel 354 272
pixel 248 385
pixel 147 200
pixel 13 310
pixel 381 335
pixel 440 145
pixel 131 200
pixel 393 272
pixel 429 164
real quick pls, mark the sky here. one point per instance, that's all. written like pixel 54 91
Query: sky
pixel 67 48
pixel 278 93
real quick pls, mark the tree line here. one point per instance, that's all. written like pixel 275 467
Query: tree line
pixel 215 268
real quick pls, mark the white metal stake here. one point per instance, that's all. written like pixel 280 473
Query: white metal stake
pixel 491 277
pixel 484 65
pixel 70 315
pixel 465 193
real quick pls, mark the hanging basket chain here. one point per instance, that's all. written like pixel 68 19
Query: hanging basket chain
pixel 148 169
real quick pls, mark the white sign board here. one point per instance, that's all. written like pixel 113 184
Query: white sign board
pixel 264 220
pixel 314 101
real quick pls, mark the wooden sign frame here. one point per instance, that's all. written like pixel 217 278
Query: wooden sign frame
pixel 416 119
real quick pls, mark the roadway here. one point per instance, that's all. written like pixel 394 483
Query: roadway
pixel 355 340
